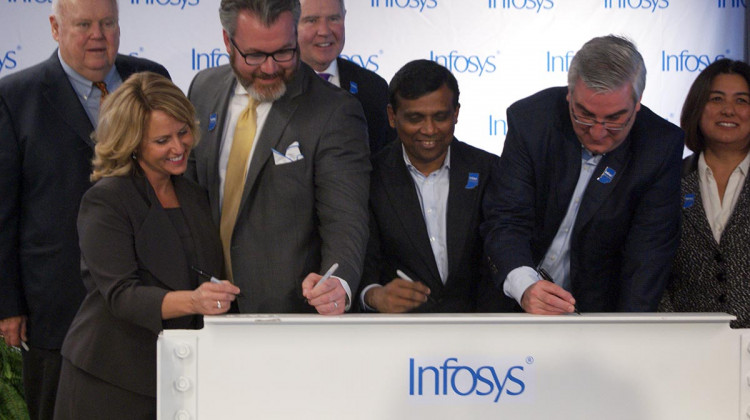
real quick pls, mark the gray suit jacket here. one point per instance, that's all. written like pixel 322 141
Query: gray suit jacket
pixel 45 163
pixel 709 276
pixel 298 217
pixel 131 256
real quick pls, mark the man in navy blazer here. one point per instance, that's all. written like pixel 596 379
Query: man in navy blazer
pixel 321 35
pixel 47 114
pixel 425 252
pixel 584 205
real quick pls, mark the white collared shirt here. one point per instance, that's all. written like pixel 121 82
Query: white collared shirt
pixel 237 104
pixel 333 70
pixel 718 211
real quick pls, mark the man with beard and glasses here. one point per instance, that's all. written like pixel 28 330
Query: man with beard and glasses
pixel 285 162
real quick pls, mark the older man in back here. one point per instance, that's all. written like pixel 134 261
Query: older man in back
pixel 47 114
pixel 321 34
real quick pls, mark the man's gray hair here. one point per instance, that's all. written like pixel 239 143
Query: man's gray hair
pixel 607 63
pixel 268 11
pixel 57 7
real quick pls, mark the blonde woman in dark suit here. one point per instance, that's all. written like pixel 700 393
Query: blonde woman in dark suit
pixel 142 227
pixel 711 271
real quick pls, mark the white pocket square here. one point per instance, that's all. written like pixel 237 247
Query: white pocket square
pixel 292 154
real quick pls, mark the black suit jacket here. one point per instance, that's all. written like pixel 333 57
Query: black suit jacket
pixel 626 231
pixel 45 163
pixel 709 276
pixel 372 92
pixel 398 233
pixel 131 256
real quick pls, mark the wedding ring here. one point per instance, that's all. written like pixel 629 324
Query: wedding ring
pixel 335 305
pixel 218 304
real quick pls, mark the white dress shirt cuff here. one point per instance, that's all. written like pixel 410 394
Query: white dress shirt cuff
pixel 348 291
pixel 518 280
pixel 362 298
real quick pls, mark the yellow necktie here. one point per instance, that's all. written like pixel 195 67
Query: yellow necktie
pixel 234 181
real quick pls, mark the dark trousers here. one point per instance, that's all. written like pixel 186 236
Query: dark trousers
pixel 84 396
pixel 41 372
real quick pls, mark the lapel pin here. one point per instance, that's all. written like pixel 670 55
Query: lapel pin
pixel 688 200
pixel 607 175
pixel 473 180
pixel 353 88
pixel 212 119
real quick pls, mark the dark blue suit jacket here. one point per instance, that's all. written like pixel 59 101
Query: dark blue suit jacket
pixel 399 239
pixel 372 92
pixel 626 231
pixel 45 163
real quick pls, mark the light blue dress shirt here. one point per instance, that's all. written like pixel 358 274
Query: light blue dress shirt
pixel 557 259
pixel 87 93
pixel 432 191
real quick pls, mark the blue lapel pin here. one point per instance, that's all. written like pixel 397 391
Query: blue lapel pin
pixel 473 180
pixel 607 175
pixel 688 200
pixel 212 119
pixel 353 89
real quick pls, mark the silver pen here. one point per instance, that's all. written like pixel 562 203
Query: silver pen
pixel 327 275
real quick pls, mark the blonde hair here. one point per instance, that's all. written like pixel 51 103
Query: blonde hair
pixel 124 119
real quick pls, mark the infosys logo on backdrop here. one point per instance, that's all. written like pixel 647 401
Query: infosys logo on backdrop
pixel 405 4
pixel 204 60
pixel 450 379
pixel 537 5
pixel 636 4
pixel 181 3
pixel 8 60
pixel 734 4
pixel 684 61
pixel 369 62
pixel 459 63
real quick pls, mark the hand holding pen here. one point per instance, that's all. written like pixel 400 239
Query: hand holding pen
pixel 214 296
pixel 401 294
pixel 326 294
pixel 547 298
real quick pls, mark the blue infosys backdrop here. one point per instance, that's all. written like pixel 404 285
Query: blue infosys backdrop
pixel 369 62
pixel 181 3
pixel 449 379
pixel 651 5
pixel 8 60
pixel 685 61
pixel 459 63
pixel 405 4
pixel 537 5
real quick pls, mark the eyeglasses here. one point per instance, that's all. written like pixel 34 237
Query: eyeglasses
pixel 608 125
pixel 257 58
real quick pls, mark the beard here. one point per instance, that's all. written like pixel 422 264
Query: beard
pixel 263 92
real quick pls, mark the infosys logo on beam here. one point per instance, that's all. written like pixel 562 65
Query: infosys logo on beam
pixel 537 5
pixel 181 3
pixel 459 63
pixel 452 379
pixel 8 60
pixel 636 4
pixel 405 4
pixel 684 61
